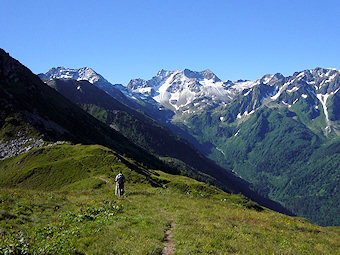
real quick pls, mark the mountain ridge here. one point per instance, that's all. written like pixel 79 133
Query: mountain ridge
pixel 177 89
pixel 46 103
pixel 248 126
pixel 150 135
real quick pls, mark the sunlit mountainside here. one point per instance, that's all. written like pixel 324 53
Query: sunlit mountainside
pixel 64 139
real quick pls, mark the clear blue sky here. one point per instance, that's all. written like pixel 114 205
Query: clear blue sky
pixel 134 39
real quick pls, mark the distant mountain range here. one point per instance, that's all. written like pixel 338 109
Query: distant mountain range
pixel 186 91
pixel 116 91
pixel 279 133
pixel 31 109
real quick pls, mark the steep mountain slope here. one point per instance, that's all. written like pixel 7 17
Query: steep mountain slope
pixel 188 90
pixel 151 136
pixel 176 89
pixel 87 74
pixel 268 131
pixel 59 199
pixel 141 129
pixel 29 108
pixel 34 104
pixel 275 144
pixel 116 91
pixel 279 156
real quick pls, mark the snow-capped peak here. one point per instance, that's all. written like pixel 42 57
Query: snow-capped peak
pixel 175 89
pixel 84 73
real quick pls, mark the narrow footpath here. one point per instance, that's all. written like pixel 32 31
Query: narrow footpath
pixel 169 244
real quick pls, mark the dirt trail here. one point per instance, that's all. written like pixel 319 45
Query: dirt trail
pixel 169 244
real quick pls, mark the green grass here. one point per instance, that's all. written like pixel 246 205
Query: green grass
pixel 54 167
pixel 83 216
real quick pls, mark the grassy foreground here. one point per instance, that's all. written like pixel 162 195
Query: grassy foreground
pixel 83 216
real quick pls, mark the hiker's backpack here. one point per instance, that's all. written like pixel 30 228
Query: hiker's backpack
pixel 120 178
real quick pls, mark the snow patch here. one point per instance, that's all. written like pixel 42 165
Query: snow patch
pixel 245 85
pixel 293 90
pixel 254 105
pixel 268 79
pixel 275 97
pixel 332 93
pixel 145 90
pixel 220 150
pixel 287 104
pixel 304 96
pixel 300 76
pixel 323 100
pixel 238 131
pixel 246 112
pixel 248 92
pixel 332 77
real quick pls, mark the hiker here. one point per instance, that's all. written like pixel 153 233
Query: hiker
pixel 120 180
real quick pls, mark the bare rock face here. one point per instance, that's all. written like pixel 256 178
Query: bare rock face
pixel 22 145
pixel 18 146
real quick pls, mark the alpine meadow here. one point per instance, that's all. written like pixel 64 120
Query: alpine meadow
pixel 170 127
pixel 211 167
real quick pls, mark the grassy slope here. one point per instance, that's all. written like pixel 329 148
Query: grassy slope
pixel 46 213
